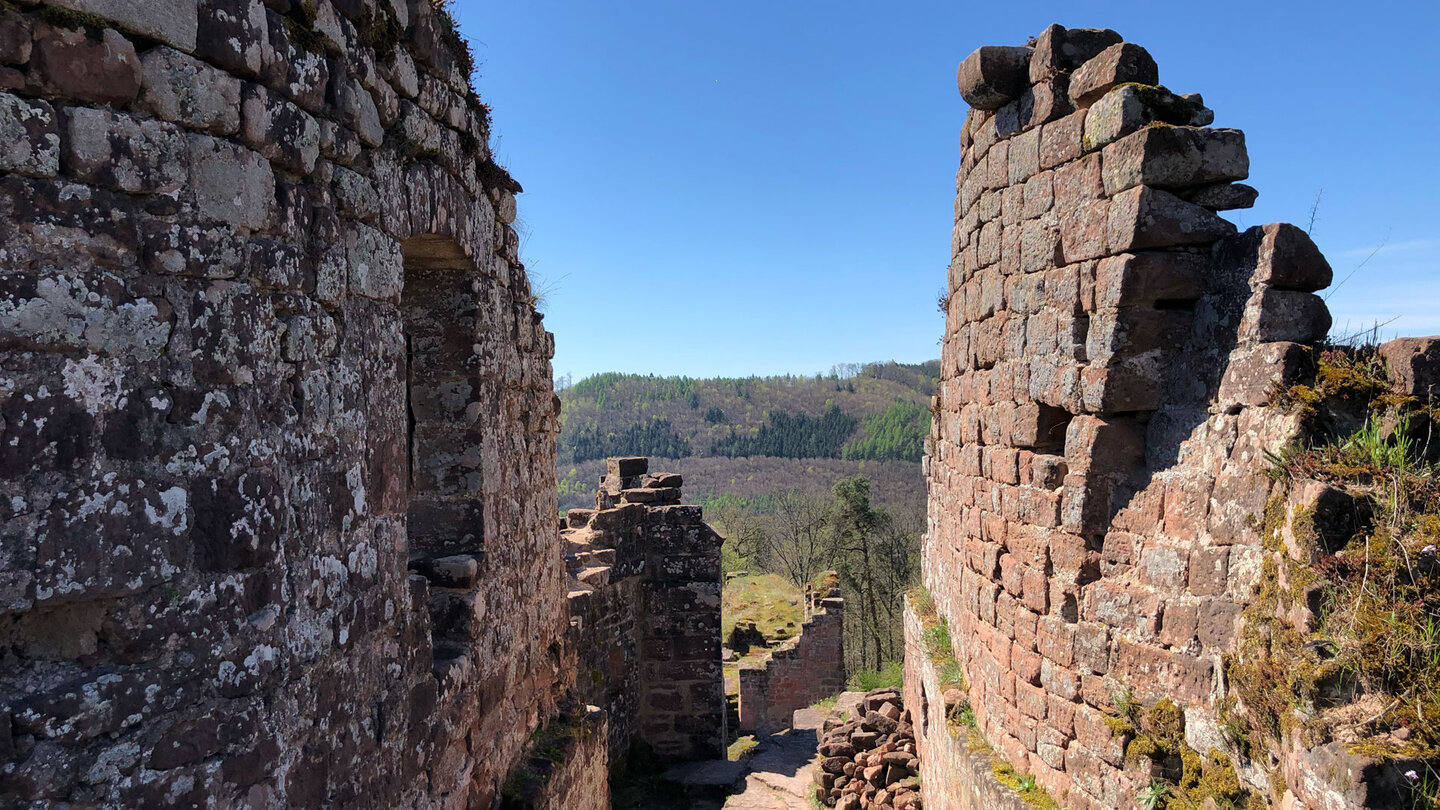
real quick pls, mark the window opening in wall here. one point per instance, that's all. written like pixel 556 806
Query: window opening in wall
pixel 444 506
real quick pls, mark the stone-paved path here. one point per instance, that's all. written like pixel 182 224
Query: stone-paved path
pixel 782 773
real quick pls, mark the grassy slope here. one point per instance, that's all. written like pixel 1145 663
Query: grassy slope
pixel 769 601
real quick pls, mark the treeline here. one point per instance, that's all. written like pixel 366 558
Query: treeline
pixel 792 436
pixel 653 438
pixel 899 432
pixel 861 413
pixel 799 535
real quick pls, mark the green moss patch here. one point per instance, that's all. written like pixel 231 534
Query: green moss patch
pixel 1341 639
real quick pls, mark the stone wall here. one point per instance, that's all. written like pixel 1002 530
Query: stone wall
pixel 277 462
pixel 1097 461
pixel 797 672
pixel 951 774
pixel 645 615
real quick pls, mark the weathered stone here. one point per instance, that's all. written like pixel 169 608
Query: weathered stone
pixel 1289 260
pixel 1145 217
pixel 15 36
pixel 29 137
pixel 357 110
pixel 1413 364
pixel 1059 49
pixel 1223 196
pixel 180 88
pixel 232 34
pixel 994 75
pixel 71 64
pixel 1120 63
pixel 231 183
pixel 125 153
pixel 280 131
pixel 172 22
pixel 1175 158
pixel 1129 107
pixel 1285 315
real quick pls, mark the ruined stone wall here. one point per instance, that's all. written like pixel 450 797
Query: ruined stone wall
pixel 645 615
pixel 952 775
pixel 276 419
pixel 799 671
pixel 1097 461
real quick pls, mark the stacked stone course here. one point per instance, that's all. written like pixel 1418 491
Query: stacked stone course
pixel 645 615
pixel 1097 459
pixel 277 430
pixel 799 671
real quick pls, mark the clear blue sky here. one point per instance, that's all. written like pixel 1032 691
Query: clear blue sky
pixel 766 187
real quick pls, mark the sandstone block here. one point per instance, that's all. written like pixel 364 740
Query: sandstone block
pixel 1127 333
pixel 1285 315
pixel 1252 374
pixel 1289 260
pixel 1179 625
pixel 233 34
pixel 15 36
pixel 172 22
pixel 1175 158
pixel 1132 610
pixel 118 151
pixel 377 263
pixel 994 75
pixel 1061 140
pixel 1059 49
pixel 1217 621
pixel 69 63
pixel 29 137
pixel 180 88
pixel 1120 63
pixel 1155 673
pixel 231 183
pixel 281 131
pixel 1144 217
pixel 1413 364
pixel 1129 107
pixel 1224 196
pixel 1147 278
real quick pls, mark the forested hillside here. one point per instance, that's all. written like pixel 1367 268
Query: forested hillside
pixel 746 437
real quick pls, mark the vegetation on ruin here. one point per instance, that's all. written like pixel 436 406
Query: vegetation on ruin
pixel 1021 783
pixel 935 634
pixel 1181 779
pixel 774 604
pixel 1342 641
pixel 742 749
pixel 549 745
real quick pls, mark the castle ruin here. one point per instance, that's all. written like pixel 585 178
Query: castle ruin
pixel 277 437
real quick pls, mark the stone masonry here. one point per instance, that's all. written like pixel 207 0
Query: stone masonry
pixel 799 671
pixel 1097 459
pixel 645 615
pixel 277 431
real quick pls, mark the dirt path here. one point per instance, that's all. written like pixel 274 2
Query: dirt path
pixel 782 773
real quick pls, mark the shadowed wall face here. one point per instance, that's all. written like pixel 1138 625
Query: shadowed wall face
pixel 276 419
pixel 1097 465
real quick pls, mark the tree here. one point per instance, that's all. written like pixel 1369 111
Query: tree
pixel 797 537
